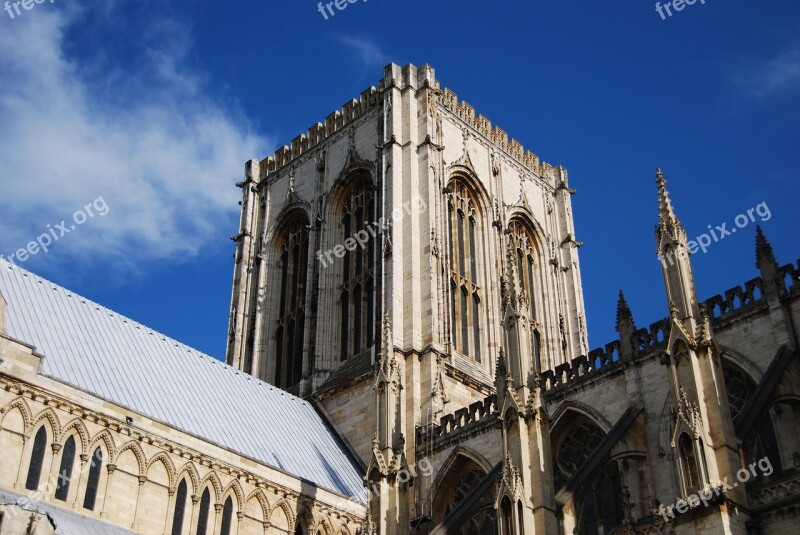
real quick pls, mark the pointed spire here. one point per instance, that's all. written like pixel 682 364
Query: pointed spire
pixel 771 278
pixel 763 248
pixel 666 212
pixel 624 314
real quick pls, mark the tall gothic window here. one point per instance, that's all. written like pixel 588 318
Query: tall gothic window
pixel 202 519
pixel 357 298
pixel 524 256
pixel 65 470
pixel 180 508
pixel 601 504
pixel 37 459
pixel 290 333
pixel 574 447
pixel 227 516
pixel 689 465
pixel 739 387
pixel 465 293
pixel 93 481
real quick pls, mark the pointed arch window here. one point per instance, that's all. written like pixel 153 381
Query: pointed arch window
pixel 37 459
pixel 180 508
pixel 93 480
pixel 290 333
pixel 525 259
pixel 356 298
pixel 689 465
pixel 575 445
pixel 465 293
pixel 739 388
pixel 202 519
pixel 227 516
pixel 65 470
pixel 601 505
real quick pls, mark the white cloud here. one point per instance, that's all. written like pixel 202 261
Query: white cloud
pixel 149 139
pixel 777 76
pixel 366 53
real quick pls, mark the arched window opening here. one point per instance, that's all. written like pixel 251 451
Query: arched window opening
pixel 764 443
pixel 37 459
pixel 689 466
pixel 180 508
pixel 520 518
pixel 358 273
pixel 524 253
pixel 508 517
pixel 290 332
pixel 465 292
pixel 65 470
pixel 202 519
pixel 739 388
pixel 574 446
pixel 93 480
pixel 227 515
pixel 299 530
pixel 601 502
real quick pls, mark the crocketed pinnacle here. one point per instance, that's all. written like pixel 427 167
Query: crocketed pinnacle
pixel 763 248
pixel 665 210
pixel 624 314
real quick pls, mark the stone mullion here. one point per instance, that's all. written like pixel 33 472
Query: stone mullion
pixel 170 511
pixel 111 469
pixel 217 517
pixel 84 459
pixel 195 518
pixel 142 481
pixel 53 469
pixel 18 484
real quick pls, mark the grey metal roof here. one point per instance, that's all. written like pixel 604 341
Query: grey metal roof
pixel 64 522
pixel 112 357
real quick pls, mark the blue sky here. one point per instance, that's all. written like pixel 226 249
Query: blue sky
pixel 155 106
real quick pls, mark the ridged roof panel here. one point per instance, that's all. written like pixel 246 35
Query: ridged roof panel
pixel 117 359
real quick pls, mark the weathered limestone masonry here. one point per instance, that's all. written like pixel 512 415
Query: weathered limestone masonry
pixel 451 336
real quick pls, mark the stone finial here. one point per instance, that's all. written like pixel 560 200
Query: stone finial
pixel 626 326
pixel 766 263
pixel 763 249
pixel 667 220
pixel 624 314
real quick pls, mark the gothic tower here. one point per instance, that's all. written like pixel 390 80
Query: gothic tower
pixel 384 261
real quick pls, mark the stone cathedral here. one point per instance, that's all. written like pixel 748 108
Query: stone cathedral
pixel 407 354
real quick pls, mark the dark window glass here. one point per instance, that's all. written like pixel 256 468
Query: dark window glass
pixel 465 302
pixel 691 473
pixel 574 447
pixel 180 508
pixel 37 459
pixel 227 514
pixel 65 470
pixel 357 303
pixel 202 519
pixel 93 481
pixel 289 334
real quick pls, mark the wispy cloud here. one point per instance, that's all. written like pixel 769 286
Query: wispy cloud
pixel 775 77
pixel 151 139
pixel 366 53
